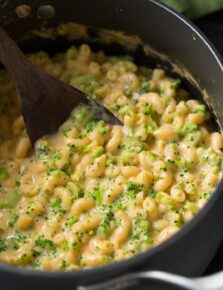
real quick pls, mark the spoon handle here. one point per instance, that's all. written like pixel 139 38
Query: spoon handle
pixel 46 102
pixel 163 280
pixel 12 58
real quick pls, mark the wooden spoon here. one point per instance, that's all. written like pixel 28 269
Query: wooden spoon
pixel 46 102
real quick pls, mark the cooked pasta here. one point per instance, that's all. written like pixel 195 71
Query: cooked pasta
pixel 94 193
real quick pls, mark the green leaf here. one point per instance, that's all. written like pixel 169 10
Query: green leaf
pixel 200 8
pixel 195 8
pixel 179 5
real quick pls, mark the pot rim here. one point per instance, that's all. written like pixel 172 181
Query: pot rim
pixel 146 255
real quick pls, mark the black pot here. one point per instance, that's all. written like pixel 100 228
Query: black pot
pixel 189 251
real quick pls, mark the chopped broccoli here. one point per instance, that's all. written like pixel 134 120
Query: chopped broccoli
pixel 42 150
pixel 187 128
pixel 3 245
pixel 140 236
pixel 96 194
pixel 44 244
pixel 3 173
pixel 98 151
pixel 71 221
pixel 72 148
pixel 134 186
pixel 71 52
pixel 75 189
pixel 132 145
pixel 201 109
pixel 56 207
pixel 105 227
pixel 175 83
pixel 12 219
pixel 144 89
pixel 10 200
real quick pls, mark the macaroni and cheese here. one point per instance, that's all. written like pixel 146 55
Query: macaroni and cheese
pixel 95 193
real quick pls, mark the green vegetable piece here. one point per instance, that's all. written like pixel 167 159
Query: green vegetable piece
pixel 85 149
pixel 3 173
pixel 58 173
pixel 71 52
pixel 65 245
pixel 87 83
pixel 102 128
pixel 104 227
pixel 98 151
pixel 164 198
pixel 96 194
pixel 12 219
pixel 71 221
pixel 140 235
pixel 115 59
pixel 126 110
pixel 82 116
pixel 201 109
pixel 187 128
pixel 10 200
pixel 91 125
pixel 152 156
pixel 75 190
pixel 17 184
pixel 42 150
pixel 175 83
pixel 144 89
pixel 16 240
pixel 195 137
pixel 132 145
pixel 72 148
pixel 148 110
pixel 191 206
pixel 134 186
pixel 3 245
pixel 56 207
pixel 116 107
pixel 57 155
pixel 163 167
pixel 44 243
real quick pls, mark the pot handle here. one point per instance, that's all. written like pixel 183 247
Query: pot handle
pixel 165 281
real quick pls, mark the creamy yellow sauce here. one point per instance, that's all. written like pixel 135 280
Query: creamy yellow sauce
pixel 94 193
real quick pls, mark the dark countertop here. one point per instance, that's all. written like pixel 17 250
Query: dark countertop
pixel 212 26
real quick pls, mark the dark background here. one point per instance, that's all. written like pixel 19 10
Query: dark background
pixel 212 26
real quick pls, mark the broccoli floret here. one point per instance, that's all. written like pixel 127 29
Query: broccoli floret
pixel 187 128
